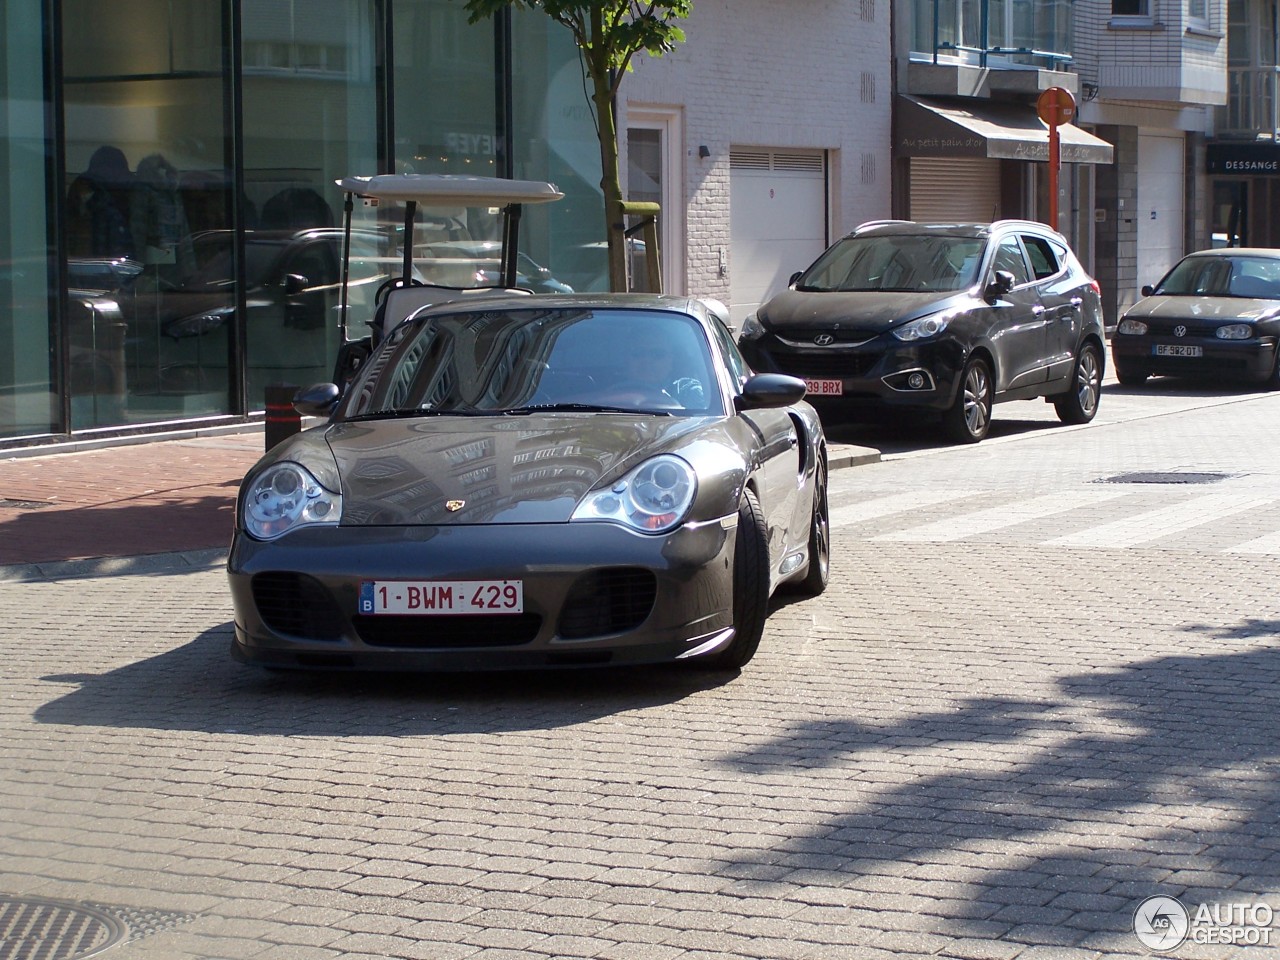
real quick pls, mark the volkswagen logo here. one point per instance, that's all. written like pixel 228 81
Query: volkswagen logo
pixel 824 339
pixel 1179 331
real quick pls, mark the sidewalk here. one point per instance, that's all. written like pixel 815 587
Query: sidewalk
pixel 154 498
pixel 106 510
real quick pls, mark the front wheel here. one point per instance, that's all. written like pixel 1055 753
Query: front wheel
pixel 969 418
pixel 750 586
pixel 815 580
pixel 1080 403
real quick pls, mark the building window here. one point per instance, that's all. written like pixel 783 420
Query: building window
pixel 1198 13
pixel 1131 8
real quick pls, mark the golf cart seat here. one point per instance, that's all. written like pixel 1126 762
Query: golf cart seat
pixel 405 302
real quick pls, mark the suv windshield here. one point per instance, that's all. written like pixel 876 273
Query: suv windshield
pixel 897 263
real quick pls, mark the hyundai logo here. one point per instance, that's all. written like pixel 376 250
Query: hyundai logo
pixel 824 339
pixel 1179 331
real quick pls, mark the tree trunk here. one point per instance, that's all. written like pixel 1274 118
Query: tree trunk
pixel 610 180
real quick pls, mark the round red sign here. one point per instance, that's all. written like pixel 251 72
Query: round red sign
pixel 1056 106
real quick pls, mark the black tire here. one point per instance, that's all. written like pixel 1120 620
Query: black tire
pixel 815 581
pixel 750 586
pixel 1131 378
pixel 969 418
pixel 1080 403
pixel 1273 380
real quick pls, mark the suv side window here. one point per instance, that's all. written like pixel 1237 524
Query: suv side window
pixel 1009 257
pixel 1044 262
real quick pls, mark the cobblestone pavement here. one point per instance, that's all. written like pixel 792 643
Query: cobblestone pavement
pixel 989 739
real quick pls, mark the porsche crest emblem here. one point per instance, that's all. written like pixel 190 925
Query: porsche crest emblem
pixel 453 506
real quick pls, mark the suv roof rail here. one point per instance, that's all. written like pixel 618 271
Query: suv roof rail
pixel 1019 222
pixel 878 223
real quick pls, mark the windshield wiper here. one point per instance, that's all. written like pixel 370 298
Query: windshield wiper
pixel 579 408
pixel 406 412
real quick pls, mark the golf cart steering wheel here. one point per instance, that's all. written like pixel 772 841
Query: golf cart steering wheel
pixel 395 283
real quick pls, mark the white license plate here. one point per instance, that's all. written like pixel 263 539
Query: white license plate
pixel 825 388
pixel 441 597
pixel 1174 350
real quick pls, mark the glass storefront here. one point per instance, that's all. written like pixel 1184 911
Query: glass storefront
pixel 29 395
pixel 196 220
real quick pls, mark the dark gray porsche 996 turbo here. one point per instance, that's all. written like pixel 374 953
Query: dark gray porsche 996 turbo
pixel 534 481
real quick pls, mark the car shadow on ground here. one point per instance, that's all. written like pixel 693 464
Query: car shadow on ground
pixel 1158 777
pixel 198 686
pixel 909 435
pixel 1207 387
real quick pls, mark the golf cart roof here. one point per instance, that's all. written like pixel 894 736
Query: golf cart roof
pixel 439 189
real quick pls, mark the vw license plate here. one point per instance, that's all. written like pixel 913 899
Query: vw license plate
pixel 1176 350
pixel 441 597
pixel 825 388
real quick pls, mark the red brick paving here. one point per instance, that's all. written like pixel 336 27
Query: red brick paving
pixel 157 497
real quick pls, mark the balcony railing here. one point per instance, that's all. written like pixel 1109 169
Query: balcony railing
pixel 994 33
pixel 1251 102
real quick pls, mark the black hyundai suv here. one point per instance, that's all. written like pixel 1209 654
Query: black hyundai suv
pixel 949 318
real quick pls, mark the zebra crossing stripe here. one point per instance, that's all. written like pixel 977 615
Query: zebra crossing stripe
pixel 998 518
pixel 1157 524
pixel 888 505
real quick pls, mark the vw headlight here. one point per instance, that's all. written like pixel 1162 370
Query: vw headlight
pixel 1132 327
pixel 284 496
pixel 1235 331
pixel 923 328
pixel 652 498
pixel 752 328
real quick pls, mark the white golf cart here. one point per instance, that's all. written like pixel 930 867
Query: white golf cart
pixel 422 221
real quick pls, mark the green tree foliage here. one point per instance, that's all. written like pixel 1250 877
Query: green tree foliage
pixel 609 33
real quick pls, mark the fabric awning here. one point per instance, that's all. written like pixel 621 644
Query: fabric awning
pixel 924 127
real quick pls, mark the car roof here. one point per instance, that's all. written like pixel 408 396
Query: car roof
pixel 948 229
pixel 497 302
pixel 1270 253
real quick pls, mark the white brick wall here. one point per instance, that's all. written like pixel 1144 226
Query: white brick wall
pixel 811 74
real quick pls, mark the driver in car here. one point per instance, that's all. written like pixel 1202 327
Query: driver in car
pixel 655 362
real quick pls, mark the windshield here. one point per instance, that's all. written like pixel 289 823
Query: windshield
pixel 542 359
pixel 923 262
pixel 1251 277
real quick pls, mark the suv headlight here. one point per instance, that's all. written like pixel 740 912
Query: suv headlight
pixel 1234 331
pixel 752 328
pixel 652 498
pixel 1134 328
pixel 284 496
pixel 924 327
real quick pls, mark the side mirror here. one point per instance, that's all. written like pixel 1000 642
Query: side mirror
pixel 1001 283
pixel 1148 290
pixel 794 277
pixel 294 284
pixel 317 400
pixel 763 391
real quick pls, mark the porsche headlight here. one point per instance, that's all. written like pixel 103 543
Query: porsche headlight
pixel 1234 331
pixel 285 496
pixel 923 328
pixel 652 498
pixel 1132 327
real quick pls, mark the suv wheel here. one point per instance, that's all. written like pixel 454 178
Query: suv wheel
pixel 969 418
pixel 1080 402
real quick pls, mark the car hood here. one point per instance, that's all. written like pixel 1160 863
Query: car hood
pixel 1210 309
pixel 467 470
pixel 870 312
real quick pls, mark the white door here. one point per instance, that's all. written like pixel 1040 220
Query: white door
pixel 777 222
pixel 655 174
pixel 1160 207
